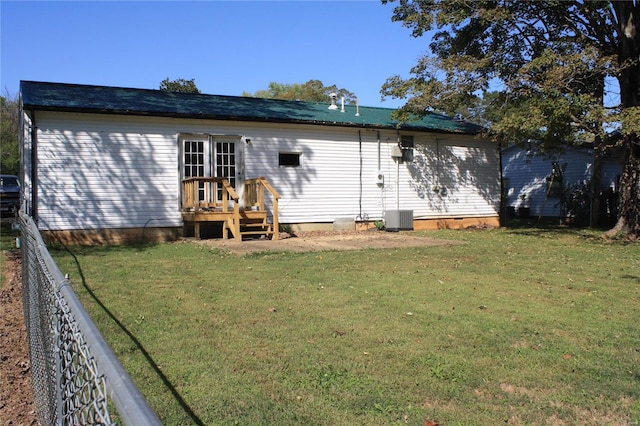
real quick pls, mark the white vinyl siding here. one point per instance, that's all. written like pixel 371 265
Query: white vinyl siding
pixel 109 171
pixel 324 187
pixel 94 173
pixel 449 177
pixel 327 185
pixel 610 173
pixel 527 176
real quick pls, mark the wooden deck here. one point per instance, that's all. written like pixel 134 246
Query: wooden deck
pixel 208 199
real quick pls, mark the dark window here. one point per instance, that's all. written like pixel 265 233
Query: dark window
pixel 289 159
pixel 406 143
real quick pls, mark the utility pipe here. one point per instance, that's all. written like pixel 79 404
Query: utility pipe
pixel 397 160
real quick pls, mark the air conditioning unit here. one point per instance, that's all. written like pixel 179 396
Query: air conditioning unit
pixel 398 220
pixel 396 151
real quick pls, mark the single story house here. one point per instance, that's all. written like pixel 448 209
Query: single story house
pixel 109 164
pixel 534 182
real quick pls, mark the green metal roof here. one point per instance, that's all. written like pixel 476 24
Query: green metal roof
pixel 43 96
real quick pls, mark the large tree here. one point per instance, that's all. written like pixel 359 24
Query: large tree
pixel 9 120
pixel 312 91
pixel 179 85
pixel 552 64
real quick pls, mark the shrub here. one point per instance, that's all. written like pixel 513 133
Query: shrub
pixel 576 203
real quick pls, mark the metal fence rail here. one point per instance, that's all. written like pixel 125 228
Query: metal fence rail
pixel 76 376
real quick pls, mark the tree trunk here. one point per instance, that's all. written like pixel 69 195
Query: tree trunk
pixel 628 224
pixel 629 79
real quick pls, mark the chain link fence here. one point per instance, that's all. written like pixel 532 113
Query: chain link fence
pixel 77 379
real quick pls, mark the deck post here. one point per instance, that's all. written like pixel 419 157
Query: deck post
pixel 261 194
pixel 276 225
pixel 236 219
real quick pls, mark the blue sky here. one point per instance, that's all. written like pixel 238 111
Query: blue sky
pixel 227 46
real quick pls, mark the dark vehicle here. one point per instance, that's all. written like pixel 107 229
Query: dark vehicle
pixel 10 195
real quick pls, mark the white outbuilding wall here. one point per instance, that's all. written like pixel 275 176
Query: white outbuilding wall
pixel 527 174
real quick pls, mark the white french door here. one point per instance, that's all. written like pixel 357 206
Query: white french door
pixel 224 148
pixel 213 156
pixel 196 151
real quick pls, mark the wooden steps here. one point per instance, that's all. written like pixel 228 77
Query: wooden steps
pixel 255 227
pixel 201 204
pixel 246 225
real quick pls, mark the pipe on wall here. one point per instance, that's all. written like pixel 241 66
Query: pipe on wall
pixel 360 154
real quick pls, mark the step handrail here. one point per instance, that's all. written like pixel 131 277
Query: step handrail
pixel 262 184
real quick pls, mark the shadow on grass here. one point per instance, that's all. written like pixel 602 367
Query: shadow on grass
pixel 539 228
pixel 632 278
pixel 535 228
pixel 165 380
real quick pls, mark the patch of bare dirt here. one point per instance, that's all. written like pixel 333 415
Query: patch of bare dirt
pixel 327 241
pixel 16 395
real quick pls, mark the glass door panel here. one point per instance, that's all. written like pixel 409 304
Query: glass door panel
pixel 225 166
pixel 196 161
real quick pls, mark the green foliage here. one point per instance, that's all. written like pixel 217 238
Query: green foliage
pixel 8 236
pixel 9 123
pixel 576 200
pixel 179 85
pixel 285 227
pixel 549 62
pixel 311 91
pixel 534 324
pixel 630 120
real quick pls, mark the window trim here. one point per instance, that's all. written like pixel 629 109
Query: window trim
pixel 296 158
pixel 407 143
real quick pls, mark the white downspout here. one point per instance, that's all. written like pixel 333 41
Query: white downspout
pixel 379 153
pixel 398 176
pixel 398 183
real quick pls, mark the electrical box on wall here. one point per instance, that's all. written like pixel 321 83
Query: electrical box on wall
pixel 380 178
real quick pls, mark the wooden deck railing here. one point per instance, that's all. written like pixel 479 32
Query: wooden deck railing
pixel 254 193
pixel 209 187
pixel 207 199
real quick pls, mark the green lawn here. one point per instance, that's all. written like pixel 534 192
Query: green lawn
pixel 516 326
pixel 7 240
pixel 7 236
